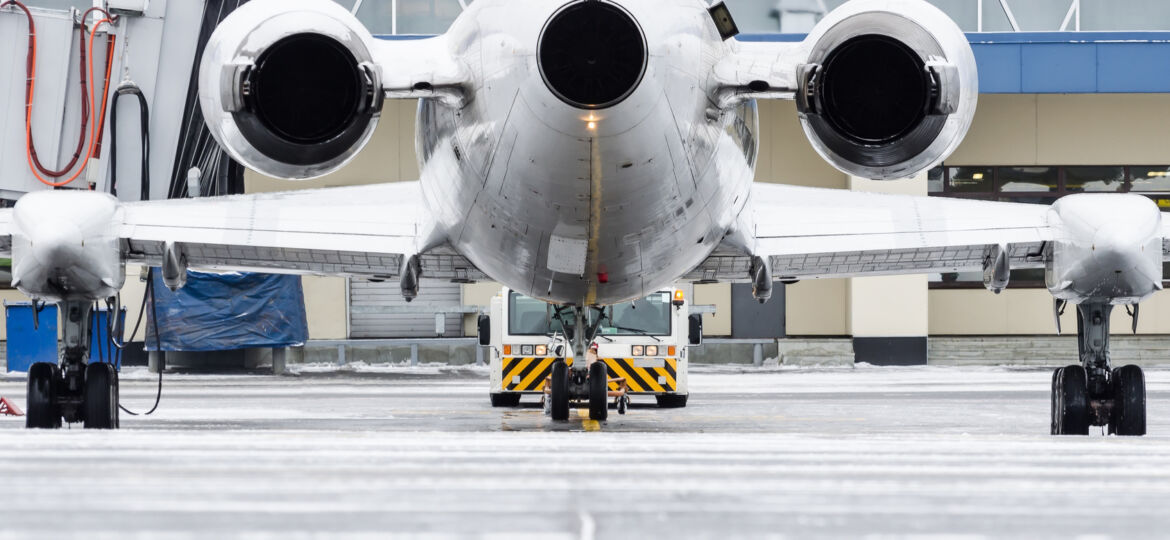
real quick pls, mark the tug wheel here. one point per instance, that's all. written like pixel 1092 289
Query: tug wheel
pixel 504 400
pixel 671 401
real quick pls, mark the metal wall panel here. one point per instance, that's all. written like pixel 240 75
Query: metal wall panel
pixel 366 295
pixel 155 51
pixel 751 319
pixel 57 94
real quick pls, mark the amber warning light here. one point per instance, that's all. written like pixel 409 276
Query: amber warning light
pixel 678 298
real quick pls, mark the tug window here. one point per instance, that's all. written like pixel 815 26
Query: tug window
pixel 646 316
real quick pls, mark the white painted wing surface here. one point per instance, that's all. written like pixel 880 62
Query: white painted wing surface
pixel 821 233
pixel 355 231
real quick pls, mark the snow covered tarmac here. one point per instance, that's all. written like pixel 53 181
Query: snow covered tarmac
pixel 376 452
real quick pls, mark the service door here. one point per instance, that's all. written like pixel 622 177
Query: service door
pixel 368 303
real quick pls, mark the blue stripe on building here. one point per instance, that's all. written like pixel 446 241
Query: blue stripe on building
pixel 1061 62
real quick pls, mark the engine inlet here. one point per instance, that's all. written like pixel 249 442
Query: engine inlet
pixel 592 54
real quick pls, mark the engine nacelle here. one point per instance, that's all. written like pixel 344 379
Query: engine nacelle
pixel 1107 248
pixel 888 89
pixel 65 246
pixel 290 88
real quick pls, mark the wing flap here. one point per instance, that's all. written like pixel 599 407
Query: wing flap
pixel 826 233
pixel 353 231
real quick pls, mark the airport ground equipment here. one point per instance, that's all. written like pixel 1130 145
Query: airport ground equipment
pixel 32 334
pixel 642 350
pixel 9 408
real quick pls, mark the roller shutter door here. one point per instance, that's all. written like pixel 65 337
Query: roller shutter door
pixel 367 294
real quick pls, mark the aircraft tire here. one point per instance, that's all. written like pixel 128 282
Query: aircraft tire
pixel 598 392
pixel 559 391
pixel 101 397
pixel 1129 402
pixel 43 411
pixel 1070 401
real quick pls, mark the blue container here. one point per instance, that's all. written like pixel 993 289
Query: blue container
pixel 100 348
pixel 28 345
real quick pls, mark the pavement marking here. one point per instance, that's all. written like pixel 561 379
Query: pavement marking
pixel 588 423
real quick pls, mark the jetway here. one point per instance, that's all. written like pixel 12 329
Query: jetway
pixel 154 51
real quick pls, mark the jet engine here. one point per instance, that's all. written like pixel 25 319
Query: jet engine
pixel 888 89
pixel 290 88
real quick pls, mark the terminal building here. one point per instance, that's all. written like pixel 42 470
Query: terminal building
pixel 1075 97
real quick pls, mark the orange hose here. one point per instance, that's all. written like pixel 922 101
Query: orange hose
pixel 30 73
pixel 91 99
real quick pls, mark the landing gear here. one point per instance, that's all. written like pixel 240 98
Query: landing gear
pixel 1070 402
pixel 598 391
pixel 43 412
pixel 505 400
pixel 559 391
pixel 1129 402
pixel 1092 394
pixel 581 382
pixel 73 391
pixel 101 397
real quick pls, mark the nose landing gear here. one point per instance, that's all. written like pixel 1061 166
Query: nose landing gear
pixel 1092 394
pixel 592 385
pixel 582 381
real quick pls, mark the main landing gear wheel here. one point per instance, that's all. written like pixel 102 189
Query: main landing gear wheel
pixel 101 397
pixel 1070 401
pixel 559 391
pixel 598 392
pixel 505 400
pixel 1129 402
pixel 671 401
pixel 43 411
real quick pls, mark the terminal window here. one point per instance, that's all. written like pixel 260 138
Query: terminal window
pixel 1040 184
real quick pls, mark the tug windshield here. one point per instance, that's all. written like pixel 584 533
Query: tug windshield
pixel 649 316
pixel 646 316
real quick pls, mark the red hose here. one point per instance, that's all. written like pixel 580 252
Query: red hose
pixel 88 99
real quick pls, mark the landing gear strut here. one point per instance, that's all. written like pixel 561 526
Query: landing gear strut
pixel 1093 394
pixel 73 390
pixel 580 381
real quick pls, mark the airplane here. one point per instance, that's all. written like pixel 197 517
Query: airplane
pixel 588 152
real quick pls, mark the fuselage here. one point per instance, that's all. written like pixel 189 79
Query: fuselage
pixel 578 205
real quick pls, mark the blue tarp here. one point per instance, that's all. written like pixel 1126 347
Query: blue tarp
pixel 216 312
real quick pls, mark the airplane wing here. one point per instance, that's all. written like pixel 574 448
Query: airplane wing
pixel 355 231
pixel 821 233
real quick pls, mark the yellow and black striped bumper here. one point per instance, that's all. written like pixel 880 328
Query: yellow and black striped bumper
pixel 644 379
pixel 528 374
pixel 525 374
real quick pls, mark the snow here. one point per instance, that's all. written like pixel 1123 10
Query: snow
pixel 391 450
